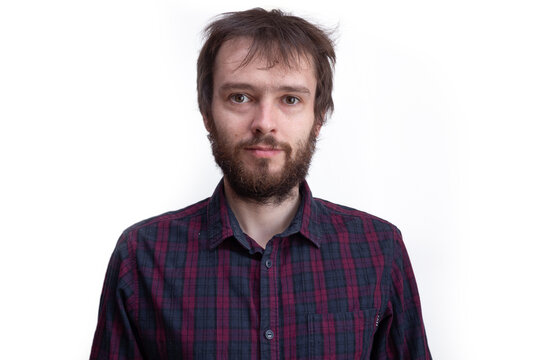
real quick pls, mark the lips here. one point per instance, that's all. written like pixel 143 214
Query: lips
pixel 263 151
pixel 264 147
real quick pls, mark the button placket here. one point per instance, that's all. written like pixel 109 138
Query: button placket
pixel 269 324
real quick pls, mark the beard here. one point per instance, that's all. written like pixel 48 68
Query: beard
pixel 258 184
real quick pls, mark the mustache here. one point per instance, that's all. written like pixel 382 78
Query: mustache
pixel 266 140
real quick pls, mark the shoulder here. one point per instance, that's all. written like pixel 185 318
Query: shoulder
pixel 363 234
pixel 177 220
pixel 332 212
pixel 351 228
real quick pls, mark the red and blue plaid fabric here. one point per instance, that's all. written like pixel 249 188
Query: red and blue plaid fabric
pixel 189 284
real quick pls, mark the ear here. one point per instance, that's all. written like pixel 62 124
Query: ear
pixel 317 128
pixel 206 123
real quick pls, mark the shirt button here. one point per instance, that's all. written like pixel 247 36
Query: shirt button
pixel 268 263
pixel 269 334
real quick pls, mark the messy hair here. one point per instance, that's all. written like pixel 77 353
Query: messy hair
pixel 277 37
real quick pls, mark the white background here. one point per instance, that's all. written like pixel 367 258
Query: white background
pixel 434 129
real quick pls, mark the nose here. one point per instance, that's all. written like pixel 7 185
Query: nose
pixel 264 119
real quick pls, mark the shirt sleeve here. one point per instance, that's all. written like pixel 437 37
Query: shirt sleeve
pixel 400 333
pixel 116 335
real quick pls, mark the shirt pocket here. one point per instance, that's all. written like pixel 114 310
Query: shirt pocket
pixel 341 335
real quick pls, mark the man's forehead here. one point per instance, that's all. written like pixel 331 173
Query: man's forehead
pixel 241 51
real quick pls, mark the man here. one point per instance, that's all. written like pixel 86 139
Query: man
pixel 261 270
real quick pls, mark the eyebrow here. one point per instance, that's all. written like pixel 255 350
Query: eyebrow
pixel 246 86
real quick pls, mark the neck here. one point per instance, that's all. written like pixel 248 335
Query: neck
pixel 261 221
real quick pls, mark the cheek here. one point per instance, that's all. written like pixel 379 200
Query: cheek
pixel 226 133
pixel 231 126
pixel 303 130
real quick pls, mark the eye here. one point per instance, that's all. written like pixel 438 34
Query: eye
pixel 239 98
pixel 291 100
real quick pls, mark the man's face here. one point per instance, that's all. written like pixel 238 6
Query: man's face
pixel 263 129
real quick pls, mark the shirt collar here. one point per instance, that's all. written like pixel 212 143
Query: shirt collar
pixel 222 223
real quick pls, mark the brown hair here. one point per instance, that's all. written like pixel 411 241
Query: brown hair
pixel 277 37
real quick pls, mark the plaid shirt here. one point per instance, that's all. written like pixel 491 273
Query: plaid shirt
pixel 189 284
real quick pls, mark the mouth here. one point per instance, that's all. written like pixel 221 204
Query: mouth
pixel 262 151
